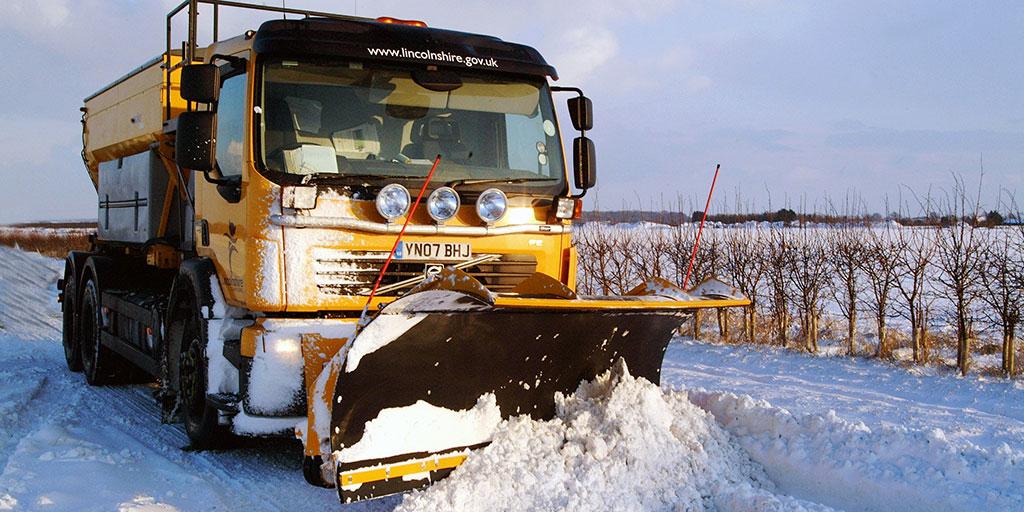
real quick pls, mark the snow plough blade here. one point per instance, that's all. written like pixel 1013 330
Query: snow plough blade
pixel 435 371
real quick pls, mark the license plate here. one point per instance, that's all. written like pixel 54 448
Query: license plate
pixel 435 251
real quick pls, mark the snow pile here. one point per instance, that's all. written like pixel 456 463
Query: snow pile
pixel 848 465
pixel 144 504
pixel 424 427
pixel 618 443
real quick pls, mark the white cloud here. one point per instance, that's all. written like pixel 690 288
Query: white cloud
pixel 639 9
pixel 33 16
pixel 582 51
pixel 677 57
pixel 43 176
pixel 34 142
pixel 698 83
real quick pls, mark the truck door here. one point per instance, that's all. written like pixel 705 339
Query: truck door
pixel 220 211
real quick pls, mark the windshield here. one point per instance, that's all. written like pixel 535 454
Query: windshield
pixel 349 120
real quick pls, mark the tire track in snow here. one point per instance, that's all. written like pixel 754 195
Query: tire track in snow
pixel 259 475
pixel 19 407
pixel 253 473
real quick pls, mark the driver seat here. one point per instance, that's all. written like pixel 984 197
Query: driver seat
pixel 437 135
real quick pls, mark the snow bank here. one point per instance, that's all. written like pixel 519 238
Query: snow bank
pixel 848 465
pixel 143 503
pixel 618 443
pixel 28 292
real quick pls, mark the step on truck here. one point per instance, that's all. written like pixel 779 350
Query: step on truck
pixel 353 231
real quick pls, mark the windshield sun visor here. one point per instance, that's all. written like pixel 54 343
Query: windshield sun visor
pixel 398 44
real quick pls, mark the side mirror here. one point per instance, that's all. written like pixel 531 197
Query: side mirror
pixel 581 112
pixel 194 144
pixel 584 163
pixel 200 83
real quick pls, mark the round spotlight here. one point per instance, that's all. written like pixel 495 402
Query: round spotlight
pixel 491 205
pixel 443 204
pixel 392 201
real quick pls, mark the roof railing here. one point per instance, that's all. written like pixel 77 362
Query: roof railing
pixel 188 51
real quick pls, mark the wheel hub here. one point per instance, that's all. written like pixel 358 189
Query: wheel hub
pixel 191 388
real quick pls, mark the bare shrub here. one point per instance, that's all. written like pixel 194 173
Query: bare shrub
pixel 591 259
pixel 710 257
pixel 959 248
pixel 808 278
pixel 879 268
pixel 606 259
pixel 778 257
pixel 845 250
pixel 1002 292
pixel 744 265
pixel 916 249
pixel 680 244
pixel 55 242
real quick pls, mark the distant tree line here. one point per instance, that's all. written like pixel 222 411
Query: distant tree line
pixel 790 217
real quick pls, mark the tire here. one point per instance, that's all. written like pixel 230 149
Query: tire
pixel 312 473
pixel 99 364
pixel 202 421
pixel 72 351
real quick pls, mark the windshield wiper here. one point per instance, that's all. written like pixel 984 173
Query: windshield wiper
pixel 457 183
pixel 333 176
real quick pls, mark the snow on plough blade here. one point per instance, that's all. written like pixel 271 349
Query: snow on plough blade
pixel 431 376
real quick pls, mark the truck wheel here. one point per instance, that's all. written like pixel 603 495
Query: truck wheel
pixel 201 420
pixel 312 472
pixel 72 352
pixel 97 360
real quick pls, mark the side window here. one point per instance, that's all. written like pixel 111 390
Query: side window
pixel 231 125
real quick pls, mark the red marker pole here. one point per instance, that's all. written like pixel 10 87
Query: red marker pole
pixel 696 243
pixel 384 269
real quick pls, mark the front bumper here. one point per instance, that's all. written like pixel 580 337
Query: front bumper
pixel 281 358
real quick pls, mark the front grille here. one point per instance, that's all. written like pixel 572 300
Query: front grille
pixel 354 272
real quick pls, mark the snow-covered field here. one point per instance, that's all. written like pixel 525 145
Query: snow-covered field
pixel 732 428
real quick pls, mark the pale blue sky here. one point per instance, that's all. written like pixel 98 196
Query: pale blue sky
pixel 805 100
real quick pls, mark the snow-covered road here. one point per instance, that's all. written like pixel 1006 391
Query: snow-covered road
pixel 895 441
pixel 66 446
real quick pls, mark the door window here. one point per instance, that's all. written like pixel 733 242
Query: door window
pixel 231 125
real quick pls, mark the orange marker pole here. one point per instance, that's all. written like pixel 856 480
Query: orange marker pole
pixel 696 243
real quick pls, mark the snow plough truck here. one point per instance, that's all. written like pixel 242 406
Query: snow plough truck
pixel 353 231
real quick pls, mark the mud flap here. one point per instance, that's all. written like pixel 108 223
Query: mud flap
pixel 523 355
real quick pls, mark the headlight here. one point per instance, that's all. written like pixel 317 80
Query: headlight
pixel 491 205
pixel 443 204
pixel 392 201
